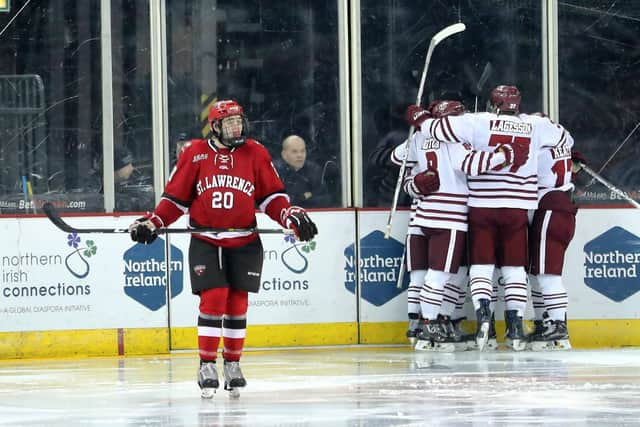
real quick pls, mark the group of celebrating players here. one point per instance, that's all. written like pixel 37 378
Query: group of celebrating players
pixel 491 192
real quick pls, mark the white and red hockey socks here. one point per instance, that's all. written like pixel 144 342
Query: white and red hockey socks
pixel 432 293
pixel 515 289
pixel 416 279
pixel 554 295
pixel 234 325
pixel 212 307
pixel 481 283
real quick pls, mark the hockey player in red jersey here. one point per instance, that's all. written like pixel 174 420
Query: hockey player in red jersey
pixel 218 182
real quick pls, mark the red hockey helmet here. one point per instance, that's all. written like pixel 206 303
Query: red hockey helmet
pixel 505 99
pixel 446 108
pixel 226 108
pixel 228 133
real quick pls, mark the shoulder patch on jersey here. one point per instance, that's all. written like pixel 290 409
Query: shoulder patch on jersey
pixel 198 157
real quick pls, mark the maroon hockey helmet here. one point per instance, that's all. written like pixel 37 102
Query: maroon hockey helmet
pixel 225 108
pixel 446 108
pixel 505 99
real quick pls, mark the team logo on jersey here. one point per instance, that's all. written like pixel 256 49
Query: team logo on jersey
pixel 223 161
pixel 431 144
pixel 199 269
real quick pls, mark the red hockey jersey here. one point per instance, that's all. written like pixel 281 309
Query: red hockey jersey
pixel 220 187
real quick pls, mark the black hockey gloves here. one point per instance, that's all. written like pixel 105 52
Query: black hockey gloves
pixel 297 220
pixel 144 230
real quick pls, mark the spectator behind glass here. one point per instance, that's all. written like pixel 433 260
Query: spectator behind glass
pixel 134 189
pixel 182 144
pixel 381 174
pixel 122 164
pixel 302 178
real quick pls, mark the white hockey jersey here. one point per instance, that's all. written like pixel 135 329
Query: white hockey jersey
pixel 554 167
pixel 446 208
pixel 397 157
pixel 509 187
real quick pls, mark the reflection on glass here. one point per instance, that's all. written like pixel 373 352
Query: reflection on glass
pixel 133 165
pixel 599 86
pixel 394 42
pixel 50 122
pixel 278 61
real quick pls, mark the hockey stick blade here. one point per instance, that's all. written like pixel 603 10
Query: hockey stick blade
pixel 446 32
pixel 53 216
pixel 486 72
pixel 609 185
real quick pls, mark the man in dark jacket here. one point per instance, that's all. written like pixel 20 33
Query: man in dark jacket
pixel 302 178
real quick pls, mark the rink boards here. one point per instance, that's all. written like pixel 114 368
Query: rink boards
pixel 100 294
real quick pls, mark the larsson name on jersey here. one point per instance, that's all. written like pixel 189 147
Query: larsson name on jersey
pixel 225 181
pixel 561 152
pixel 431 144
pixel 511 127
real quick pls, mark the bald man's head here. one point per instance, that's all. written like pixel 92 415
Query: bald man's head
pixel 294 151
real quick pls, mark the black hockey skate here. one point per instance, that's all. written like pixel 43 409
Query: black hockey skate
pixel 208 379
pixel 233 378
pixel 414 327
pixel 467 341
pixel 434 337
pixel 554 337
pixel 514 337
pixel 454 333
pixel 539 326
pixel 483 318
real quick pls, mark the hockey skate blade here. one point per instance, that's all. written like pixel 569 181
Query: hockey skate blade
pixel 556 345
pixel 441 347
pixel 492 345
pixel 208 393
pixel 234 392
pixel 412 341
pixel 482 336
pixel 463 345
pixel 516 345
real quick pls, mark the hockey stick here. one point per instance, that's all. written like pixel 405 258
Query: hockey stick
pixel 610 186
pixel 52 214
pixel 614 153
pixel 486 72
pixel 435 40
pixel 402 261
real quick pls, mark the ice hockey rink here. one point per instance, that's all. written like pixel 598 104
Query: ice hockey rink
pixel 345 386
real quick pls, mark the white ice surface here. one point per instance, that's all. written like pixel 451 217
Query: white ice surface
pixel 333 387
